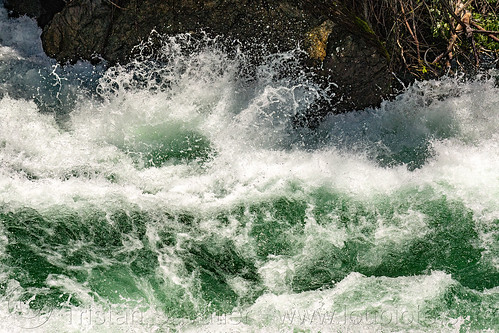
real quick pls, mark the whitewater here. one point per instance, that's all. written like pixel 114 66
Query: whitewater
pixel 178 194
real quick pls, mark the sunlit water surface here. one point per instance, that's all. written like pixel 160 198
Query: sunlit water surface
pixel 177 195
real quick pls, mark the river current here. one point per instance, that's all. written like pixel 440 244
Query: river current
pixel 176 193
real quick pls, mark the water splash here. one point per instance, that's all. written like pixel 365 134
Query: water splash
pixel 177 192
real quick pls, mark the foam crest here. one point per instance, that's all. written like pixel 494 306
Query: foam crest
pixel 179 189
pixel 396 304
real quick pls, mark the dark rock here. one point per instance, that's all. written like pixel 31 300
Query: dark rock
pixel 24 7
pixel 81 31
pixel 341 48
pixel 353 58
pixel 358 63
pixel 111 29
pixel 41 10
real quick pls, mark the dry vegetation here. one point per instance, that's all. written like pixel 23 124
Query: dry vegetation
pixel 430 37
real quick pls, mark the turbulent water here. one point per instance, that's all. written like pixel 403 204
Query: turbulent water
pixel 178 195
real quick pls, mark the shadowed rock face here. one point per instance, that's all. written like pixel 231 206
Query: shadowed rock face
pixel 42 10
pixel 340 47
pixel 357 63
pixel 359 67
pixel 88 27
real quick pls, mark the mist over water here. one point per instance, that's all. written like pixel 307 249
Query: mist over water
pixel 176 193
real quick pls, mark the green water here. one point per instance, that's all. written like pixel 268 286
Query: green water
pixel 117 255
pixel 179 196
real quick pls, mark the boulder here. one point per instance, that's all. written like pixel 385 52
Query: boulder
pixel 86 28
pixel 359 64
pixel 341 48
pixel 355 61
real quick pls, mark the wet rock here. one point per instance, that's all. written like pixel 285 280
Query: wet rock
pixel 340 46
pixel 111 29
pixel 41 10
pixel 358 63
pixel 81 31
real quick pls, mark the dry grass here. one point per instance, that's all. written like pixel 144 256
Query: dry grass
pixel 417 32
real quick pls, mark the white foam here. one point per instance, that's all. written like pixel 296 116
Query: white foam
pixel 257 156
pixel 20 38
pixel 354 304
